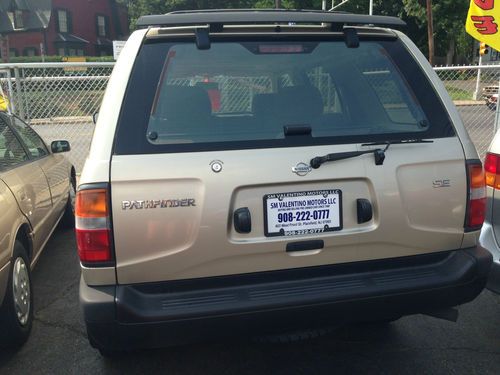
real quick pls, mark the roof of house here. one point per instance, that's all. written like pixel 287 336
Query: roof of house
pixel 37 16
pixel 70 38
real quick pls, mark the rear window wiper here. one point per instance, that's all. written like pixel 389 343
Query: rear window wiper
pixel 378 153
pixel 399 141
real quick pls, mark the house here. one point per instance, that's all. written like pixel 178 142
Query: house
pixel 62 27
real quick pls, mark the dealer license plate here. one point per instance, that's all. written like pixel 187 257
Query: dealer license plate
pixel 302 212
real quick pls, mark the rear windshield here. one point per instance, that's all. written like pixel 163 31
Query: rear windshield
pixel 246 94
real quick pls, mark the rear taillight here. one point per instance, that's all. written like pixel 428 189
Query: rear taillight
pixel 93 234
pixel 476 196
pixel 492 170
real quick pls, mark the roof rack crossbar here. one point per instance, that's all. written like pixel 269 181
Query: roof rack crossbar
pixel 252 17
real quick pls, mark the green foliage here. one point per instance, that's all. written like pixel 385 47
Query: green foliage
pixel 138 8
pixel 289 4
pixel 449 24
pixel 458 93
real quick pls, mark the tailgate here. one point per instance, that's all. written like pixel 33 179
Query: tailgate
pixel 178 221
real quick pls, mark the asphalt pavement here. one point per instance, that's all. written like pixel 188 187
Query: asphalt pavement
pixel 412 345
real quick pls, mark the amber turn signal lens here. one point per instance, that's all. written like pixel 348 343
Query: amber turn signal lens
pixel 91 203
pixel 492 170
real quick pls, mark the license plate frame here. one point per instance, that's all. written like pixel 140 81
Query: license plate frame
pixel 305 223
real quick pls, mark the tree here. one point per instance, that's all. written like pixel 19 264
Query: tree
pixel 137 8
pixel 449 18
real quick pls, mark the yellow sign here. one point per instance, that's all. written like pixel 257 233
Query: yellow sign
pixel 74 59
pixel 74 69
pixel 4 103
pixel 483 21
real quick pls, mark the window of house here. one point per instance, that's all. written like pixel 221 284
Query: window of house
pixel 80 52
pixel 13 52
pixel 30 51
pixel 11 17
pixel 62 19
pixel 101 25
pixel 61 51
pixel 72 52
pixel 18 19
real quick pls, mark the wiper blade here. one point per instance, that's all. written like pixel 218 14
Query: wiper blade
pixel 399 141
pixel 379 154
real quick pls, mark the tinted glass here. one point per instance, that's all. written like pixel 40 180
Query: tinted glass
pixel 34 143
pixel 11 151
pixel 243 94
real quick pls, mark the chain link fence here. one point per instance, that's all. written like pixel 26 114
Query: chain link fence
pixel 473 91
pixel 59 99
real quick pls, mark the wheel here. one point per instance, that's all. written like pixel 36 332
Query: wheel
pixel 68 219
pixel 16 313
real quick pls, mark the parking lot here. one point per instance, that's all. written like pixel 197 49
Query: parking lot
pixel 416 344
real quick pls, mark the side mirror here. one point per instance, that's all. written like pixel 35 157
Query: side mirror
pixel 95 116
pixel 60 146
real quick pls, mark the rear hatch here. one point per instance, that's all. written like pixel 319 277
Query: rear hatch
pixel 221 162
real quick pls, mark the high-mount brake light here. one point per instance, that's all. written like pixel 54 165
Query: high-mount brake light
pixel 273 48
pixel 93 234
pixel 476 196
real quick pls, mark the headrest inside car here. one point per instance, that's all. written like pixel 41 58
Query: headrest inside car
pixel 184 103
pixel 303 102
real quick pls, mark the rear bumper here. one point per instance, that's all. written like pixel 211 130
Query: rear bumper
pixel 159 314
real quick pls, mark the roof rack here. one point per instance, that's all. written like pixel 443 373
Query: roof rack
pixel 263 16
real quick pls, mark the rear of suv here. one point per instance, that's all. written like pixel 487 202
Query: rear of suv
pixel 263 171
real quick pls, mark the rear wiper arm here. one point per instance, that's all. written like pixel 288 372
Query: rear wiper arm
pixel 379 154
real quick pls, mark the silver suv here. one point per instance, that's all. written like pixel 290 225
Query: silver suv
pixel 262 171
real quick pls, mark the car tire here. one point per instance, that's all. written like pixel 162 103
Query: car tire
pixel 16 312
pixel 68 219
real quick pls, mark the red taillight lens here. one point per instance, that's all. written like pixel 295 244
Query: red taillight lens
pixel 93 235
pixel 492 170
pixel 476 197
pixel 93 245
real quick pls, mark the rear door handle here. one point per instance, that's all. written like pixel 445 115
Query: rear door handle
pixel 242 220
